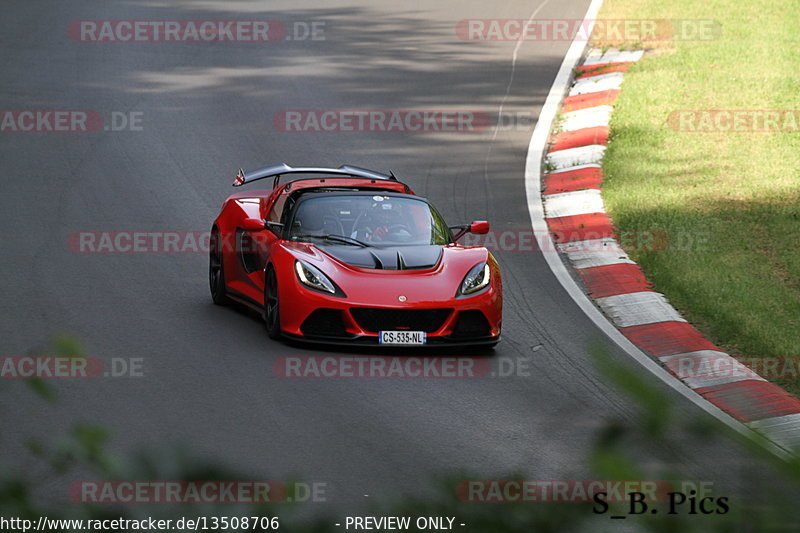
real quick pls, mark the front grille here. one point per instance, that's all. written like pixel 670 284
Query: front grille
pixel 428 320
pixel 324 323
pixel 471 324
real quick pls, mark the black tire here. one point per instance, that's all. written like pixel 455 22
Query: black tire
pixel 216 275
pixel 272 308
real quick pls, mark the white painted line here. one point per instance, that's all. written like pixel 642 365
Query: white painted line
pixel 570 169
pixel 533 188
pixel 785 430
pixel 573 157
pixel 706 368
pixel 594 253
pixel 604 82
pixel 637 308
pixel 597 57
pixel 591 117
pixel 567 204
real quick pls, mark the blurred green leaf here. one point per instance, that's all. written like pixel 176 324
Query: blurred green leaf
pixel 42 389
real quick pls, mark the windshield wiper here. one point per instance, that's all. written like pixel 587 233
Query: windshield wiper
pixel 337 238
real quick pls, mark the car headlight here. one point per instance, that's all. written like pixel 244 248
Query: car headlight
pixel 313 277
pixel 476 279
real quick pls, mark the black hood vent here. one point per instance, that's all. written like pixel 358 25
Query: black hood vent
pixel 386 258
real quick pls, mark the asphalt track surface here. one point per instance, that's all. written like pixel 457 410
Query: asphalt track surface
pixel 207 108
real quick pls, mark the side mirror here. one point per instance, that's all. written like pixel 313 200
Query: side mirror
pixel 253 224
pixel 479 227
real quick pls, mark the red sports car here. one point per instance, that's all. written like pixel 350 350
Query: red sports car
pixel 350 255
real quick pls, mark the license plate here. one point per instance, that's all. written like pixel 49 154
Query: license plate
pixel 401 337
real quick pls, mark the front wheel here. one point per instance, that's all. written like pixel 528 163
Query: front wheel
pixel 272 311
pixel 216 275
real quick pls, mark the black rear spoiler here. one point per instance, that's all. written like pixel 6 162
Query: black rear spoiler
pixel 276 171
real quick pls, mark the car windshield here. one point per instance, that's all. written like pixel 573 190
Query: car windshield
pixel 368 220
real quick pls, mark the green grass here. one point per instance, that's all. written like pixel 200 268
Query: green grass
pixel 730 202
